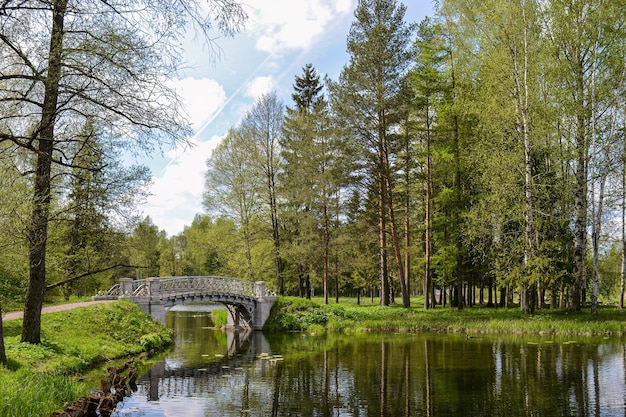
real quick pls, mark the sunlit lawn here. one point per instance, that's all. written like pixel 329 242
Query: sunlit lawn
pixel 348 316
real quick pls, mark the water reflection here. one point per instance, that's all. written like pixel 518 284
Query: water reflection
pixel 211 373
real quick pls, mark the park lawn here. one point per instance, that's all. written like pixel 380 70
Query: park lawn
pixel 297 314
pixel 39 379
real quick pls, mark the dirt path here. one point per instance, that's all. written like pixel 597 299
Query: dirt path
pixel 52 309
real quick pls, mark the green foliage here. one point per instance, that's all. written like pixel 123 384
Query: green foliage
pixel 219 317
pixel 610 274
pixel 146 245
pixel 295 314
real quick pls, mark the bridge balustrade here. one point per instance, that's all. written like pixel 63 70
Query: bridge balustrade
pixel 217 285
pixel 248 303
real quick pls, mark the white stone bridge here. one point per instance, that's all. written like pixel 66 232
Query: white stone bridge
pixel 248 303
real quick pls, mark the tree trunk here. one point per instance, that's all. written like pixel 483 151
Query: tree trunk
pixel 580 231
pixel 308 286
pixel 388 197
pixel 596 213
pixel 247 241
pixel 522 105
pixel 407 220
pixel 326 254
pixel 382 244
pixel 427 216
pixel 623 270
pixel 596 230
pixel 3 355
pixel 580 200
pixel 301 290
pixel 38 234
pixel 275 231
pixel 406 300
pixel 457 215
pixel 457 186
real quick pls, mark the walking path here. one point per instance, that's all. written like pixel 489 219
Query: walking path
pixel 52 309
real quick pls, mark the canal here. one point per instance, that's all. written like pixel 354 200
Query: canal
pixel 215 373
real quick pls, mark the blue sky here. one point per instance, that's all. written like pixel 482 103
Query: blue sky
pixel 280 37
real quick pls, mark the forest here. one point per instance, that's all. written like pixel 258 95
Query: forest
pixel 475 157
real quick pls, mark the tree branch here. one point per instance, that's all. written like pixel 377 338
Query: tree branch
pixel 86 274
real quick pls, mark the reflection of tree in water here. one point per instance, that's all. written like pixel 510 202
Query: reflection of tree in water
pixel 447 375
pixel 400 375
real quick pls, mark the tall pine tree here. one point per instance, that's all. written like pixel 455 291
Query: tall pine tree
pixel 379 45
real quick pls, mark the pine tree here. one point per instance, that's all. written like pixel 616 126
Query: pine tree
pixel 313 173
pixel 378 43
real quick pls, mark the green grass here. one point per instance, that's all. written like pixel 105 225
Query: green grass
pixel 26 393
pixel 38 378
pixel 296 314
pixel 219 317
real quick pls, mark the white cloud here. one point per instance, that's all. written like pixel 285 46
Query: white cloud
pixel 259 86
pixel 289 25
pixel 177 191
pixel 201 98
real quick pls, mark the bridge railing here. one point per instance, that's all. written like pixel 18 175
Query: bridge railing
pixel 218 285
pixel 172 286
pixel 134 288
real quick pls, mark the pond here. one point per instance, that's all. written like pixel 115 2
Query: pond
pixel 215 373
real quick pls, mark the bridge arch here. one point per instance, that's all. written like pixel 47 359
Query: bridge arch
pixel 248 303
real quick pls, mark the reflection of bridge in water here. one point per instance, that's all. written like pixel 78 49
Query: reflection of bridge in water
pixel 167 379
pixel 248 303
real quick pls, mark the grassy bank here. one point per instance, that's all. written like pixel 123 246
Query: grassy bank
pixel 42 378
pixel 297 314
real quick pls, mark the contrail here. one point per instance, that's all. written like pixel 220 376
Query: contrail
pixel 223 106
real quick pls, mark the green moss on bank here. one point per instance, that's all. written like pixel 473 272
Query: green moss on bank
pixel 38 378
pixel 296 314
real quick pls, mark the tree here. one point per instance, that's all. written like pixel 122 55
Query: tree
pixel 300 182
pixel 91 60
pixel 503 56
pixel 234 185
pixel 428 82
pixel 98 199
pixel 623 216
pixel 378 44
pixel 201 250
pixel 145 246
pixel 3 354
pixel 577 32
pixel 213 247
pixel 313 173
pixel 14 194
pixel 263 123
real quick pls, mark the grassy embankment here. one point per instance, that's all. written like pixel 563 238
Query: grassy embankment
pixel 297 314
pixel 42 378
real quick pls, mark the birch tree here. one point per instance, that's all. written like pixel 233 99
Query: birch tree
pixel 264 123
pixel 585 37
pixel 234 186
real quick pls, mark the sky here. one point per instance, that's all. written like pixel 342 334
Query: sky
pixel 279 39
